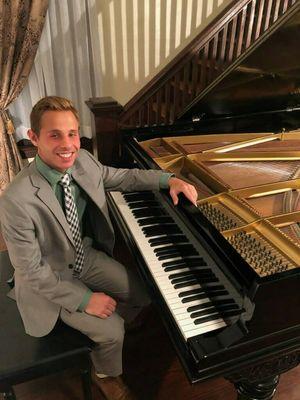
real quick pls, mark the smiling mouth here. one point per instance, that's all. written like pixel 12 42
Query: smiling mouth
pixel 65 156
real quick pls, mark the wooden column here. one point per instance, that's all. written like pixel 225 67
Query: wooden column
pixel 106 133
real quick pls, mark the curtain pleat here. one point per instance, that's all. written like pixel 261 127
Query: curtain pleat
pixel 21 24
pixel 64 63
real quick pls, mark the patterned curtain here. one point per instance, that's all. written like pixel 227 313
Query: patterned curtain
pixel 21 24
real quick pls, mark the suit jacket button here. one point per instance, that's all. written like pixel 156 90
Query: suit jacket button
pixel 71 266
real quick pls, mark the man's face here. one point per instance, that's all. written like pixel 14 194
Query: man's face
pixel 58 142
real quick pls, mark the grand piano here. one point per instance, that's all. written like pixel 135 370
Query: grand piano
pixel 225 274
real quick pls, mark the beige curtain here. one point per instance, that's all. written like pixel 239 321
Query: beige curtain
pixel 21 24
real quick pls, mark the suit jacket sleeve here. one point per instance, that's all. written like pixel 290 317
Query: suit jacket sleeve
pixel 24 251
pixel 127 180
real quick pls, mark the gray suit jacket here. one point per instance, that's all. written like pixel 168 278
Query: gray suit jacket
pixel 40 242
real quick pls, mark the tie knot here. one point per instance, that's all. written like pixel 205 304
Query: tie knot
pixel 65 180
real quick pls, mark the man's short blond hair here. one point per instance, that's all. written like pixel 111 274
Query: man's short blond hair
pixel 49 103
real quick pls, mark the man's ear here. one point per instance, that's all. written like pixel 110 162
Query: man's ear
pixel 32 136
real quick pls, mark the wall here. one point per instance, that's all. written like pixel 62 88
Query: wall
pixel 94 48
pixel 137 38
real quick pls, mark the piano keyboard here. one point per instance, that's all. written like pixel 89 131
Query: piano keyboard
pixel 195 290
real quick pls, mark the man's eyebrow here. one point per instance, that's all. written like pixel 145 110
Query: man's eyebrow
pixel 59 131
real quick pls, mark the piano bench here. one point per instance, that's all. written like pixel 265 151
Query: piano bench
pixel 23 357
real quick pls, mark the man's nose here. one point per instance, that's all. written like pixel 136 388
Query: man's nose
pixel 66 142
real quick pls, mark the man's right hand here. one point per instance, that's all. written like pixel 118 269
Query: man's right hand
pixel 101 305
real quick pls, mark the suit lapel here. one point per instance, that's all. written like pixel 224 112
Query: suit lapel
pixel 47 196
pixel 83 180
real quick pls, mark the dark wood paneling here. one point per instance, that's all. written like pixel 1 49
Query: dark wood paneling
pixel 106 136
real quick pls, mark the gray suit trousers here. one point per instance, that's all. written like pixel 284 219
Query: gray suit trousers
pixel 102 273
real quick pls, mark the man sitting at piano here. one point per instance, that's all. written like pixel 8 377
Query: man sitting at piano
pixel 55 223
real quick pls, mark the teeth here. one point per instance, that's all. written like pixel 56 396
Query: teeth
pixel 66 155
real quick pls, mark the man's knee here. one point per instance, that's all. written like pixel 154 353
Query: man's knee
pixel 111 330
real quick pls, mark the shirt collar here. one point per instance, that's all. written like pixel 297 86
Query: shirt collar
pixel 52 175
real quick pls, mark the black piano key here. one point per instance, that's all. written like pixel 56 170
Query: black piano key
pixel 186 283
pixel 195 272
pixel 224 314
pixel 143 204
pixel 209 304
pixel 221 307
pixel 183 279
pixel 197 279
pixel 211 317
pixel 160 230
pixel 176 253
pixel 155 221
pixel 149 212
pixel 170 252
pixel 180 267
pixel 173 254
pixel 168 256
pixel 200 290
pixel 169 228
pixel 213 310
pixel 199 296
pixel 204 295
pixel 191 292
pixel 185 261
pixel 138 196
pixel 176 247
pixel 168 239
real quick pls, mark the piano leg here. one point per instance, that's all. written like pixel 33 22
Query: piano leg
pixel 263 390
pixel 259 381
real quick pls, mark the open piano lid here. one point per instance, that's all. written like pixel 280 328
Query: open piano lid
pixel 264 83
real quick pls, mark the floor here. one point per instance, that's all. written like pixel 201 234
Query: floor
pixel 153 372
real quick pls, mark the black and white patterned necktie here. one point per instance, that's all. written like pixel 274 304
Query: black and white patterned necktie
pixel 72 218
